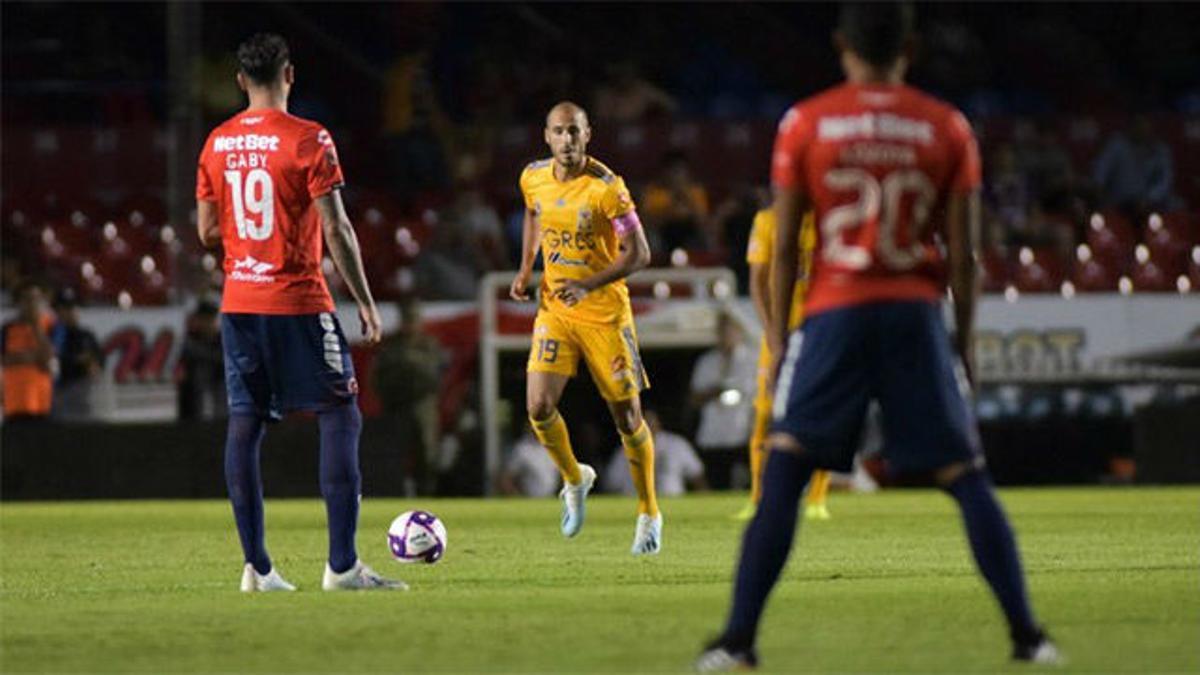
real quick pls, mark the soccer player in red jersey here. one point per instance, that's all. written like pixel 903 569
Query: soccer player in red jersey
pixel 888 171
pixel 267 188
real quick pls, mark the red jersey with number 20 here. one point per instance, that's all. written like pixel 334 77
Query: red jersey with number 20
pixel 878 163
pixel 264 169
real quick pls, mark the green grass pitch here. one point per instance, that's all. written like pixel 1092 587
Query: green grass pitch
pixel 887 585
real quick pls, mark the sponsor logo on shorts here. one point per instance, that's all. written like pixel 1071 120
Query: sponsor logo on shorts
pixel 332 345
pixel 619 368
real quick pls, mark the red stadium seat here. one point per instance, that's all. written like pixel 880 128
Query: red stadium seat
pixel 1038 270
pixel 1167 247
pixel 1111 240
pixel 1149 277
pixel 994 271
pixel 1193 269
pixel 1090 275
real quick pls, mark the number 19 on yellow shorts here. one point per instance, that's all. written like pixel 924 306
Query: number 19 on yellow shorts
pixel 610 352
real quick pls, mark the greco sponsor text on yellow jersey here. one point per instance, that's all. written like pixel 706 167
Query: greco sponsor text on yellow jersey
pixel 577 238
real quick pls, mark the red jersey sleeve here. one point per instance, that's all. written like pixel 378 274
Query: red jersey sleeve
pixel 791 141
pixel 204 187
pixel 319 155
pixel 966 175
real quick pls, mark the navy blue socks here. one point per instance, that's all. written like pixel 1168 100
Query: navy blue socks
pixel 995 551
pixel 341 482
pixel 244 482
pixel 766 544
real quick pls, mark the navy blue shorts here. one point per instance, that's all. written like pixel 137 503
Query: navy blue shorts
pixel 276 364
pixel 897 353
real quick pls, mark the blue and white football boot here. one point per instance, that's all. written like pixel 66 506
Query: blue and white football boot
pixel 647 538
pixel 573 498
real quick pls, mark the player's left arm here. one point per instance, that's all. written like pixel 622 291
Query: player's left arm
pixel 790 206
pixel 208 225
pixel 633 255
pixel 634 252
pixel 791 203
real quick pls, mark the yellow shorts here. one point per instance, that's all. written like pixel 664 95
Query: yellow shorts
pixel 611 354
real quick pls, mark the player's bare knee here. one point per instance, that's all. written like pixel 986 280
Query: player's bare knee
pixel 781 442
pixel 949 474
pixel 540 409
pixel 627 415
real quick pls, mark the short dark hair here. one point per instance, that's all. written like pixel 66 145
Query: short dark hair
pixel 877 31
pixel 262 57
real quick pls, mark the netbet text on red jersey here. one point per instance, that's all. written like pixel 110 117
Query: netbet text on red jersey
pixel 878 163
pixel 264 169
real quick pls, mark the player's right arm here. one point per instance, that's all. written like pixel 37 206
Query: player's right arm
pixel 531 237
pixel 962 231
pixel 347 257
pixel 962 234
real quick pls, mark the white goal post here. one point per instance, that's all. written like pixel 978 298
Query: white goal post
pixel 685 303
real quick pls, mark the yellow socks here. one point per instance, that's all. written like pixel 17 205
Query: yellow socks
pixel 552 434
pixel 818 488
pixel 758 454
pixel 639 450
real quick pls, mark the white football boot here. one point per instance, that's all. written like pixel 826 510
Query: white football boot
pixel 573 498
pixel 359 578
pixel 253 582
pixel 647 538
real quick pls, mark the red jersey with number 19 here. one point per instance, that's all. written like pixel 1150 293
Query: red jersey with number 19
pixel 878 163
pixel 264 169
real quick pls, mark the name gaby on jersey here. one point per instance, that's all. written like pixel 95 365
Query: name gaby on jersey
pixel 243 147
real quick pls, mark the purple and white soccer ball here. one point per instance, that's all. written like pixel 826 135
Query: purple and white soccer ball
pixel 417 537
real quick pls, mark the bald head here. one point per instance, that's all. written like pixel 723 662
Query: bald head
pixel 566 111
pixel 567 134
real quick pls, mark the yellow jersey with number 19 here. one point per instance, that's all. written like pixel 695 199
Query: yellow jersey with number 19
pixel 578 238
pixel 762 244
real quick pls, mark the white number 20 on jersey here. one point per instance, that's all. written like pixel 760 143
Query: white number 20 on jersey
pixel 882 200
pixel 253 203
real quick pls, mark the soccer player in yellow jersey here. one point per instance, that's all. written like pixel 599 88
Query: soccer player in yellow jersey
pixel 758 256
pixel 578 213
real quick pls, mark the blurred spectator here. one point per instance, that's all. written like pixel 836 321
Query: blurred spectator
pixel 201 385
pixel 674 207
pixel 733 220
pixel 484 230
pixel 677 467
pixel 413 125
pixel 627 97
pixel 28 357
pixel 446 270
pixel 406 375
pixel 11 277
pixel 529 470
pixel 1042 159
pixel 81 361
pixel 1008 190
pixel 1135 171
pixel 722 387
